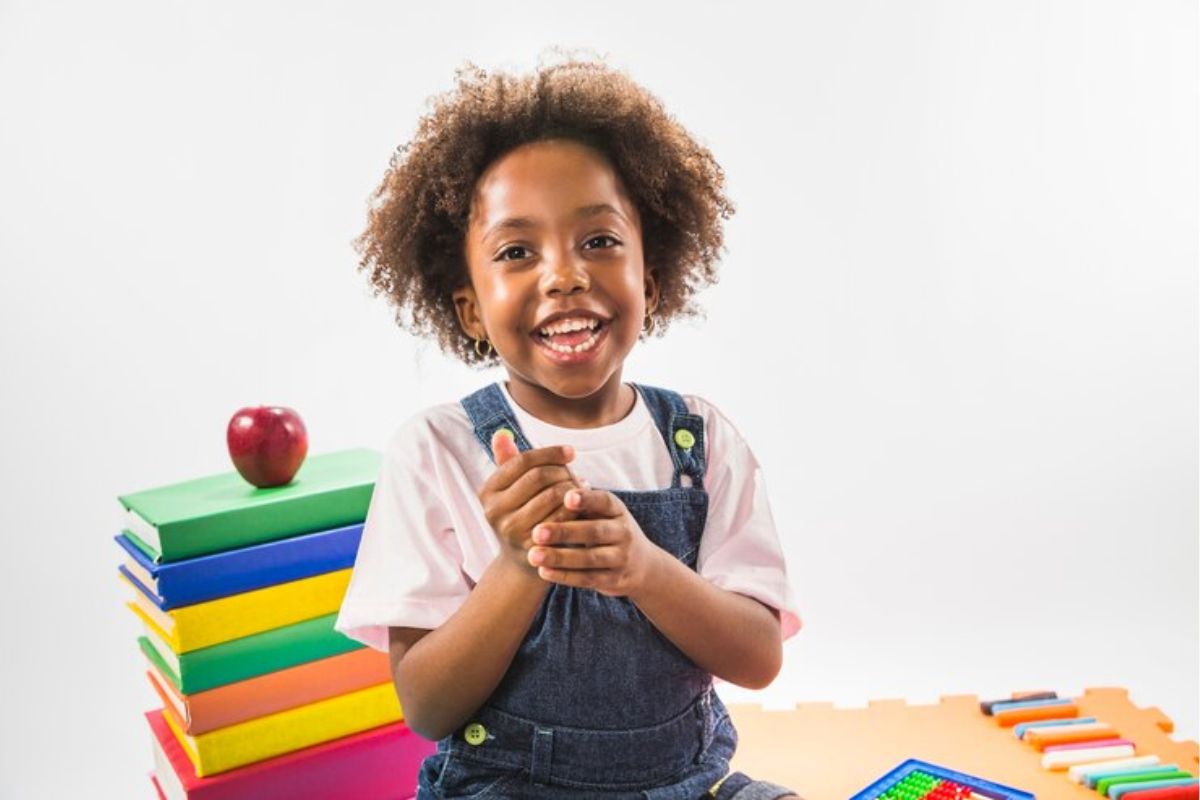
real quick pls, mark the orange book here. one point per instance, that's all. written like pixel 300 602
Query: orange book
pixel 276 691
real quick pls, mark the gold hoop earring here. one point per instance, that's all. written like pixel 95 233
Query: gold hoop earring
pixel 648 325
pixel 479 351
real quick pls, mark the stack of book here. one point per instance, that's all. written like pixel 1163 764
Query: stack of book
pixel 238 589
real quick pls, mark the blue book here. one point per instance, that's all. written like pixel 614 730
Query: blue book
pixel 182 583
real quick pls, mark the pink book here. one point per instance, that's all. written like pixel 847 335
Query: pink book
pixel 378 763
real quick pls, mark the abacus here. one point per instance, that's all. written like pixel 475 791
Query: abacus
pixel 920 780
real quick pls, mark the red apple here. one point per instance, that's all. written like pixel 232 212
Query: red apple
pixel 267 443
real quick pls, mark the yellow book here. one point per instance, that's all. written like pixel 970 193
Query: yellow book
pixel 215 621
pixel 275 734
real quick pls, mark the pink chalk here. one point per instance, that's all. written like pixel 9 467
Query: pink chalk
pixel 1088 745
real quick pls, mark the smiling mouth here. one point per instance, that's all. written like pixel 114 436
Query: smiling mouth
pixel 571 339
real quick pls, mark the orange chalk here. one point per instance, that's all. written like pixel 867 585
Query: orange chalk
pixel 1089 733
pixel 1033 713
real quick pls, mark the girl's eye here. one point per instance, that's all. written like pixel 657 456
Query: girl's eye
pixel 511 253
pixel 605 240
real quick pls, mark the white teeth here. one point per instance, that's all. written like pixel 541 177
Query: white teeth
pixel 568 325
pixel 586 344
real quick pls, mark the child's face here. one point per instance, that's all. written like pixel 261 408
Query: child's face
pixel 551 233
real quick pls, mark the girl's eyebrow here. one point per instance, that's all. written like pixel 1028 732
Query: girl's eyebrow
pixel 525 223
pixel 510 223
pixel 597 209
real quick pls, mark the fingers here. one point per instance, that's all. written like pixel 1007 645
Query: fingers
pixel 604 581
pixel 606 551
pixel 594 502
pixel 515 466
pixel 579 544
pixel 531 488
pixel 547 502
pixel 585 532
pixel 504 446
pixel 579 558
pixel 559 514
pixel 582 579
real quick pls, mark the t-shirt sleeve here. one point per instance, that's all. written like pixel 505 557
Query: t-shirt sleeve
pixel 408 569
pixel 740 549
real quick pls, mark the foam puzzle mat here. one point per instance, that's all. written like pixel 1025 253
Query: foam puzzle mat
pixel 828 753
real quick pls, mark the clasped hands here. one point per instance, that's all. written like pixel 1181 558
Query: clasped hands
pixel 551 522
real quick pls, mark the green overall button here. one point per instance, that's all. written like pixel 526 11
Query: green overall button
pixel 475 734
pixel 684 438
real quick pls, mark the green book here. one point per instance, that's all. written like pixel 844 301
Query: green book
pixel 225 512
pixel 248 657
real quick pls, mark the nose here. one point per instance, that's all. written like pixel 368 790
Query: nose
pixel 565 273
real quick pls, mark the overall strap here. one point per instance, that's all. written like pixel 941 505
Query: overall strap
pixel 682 431
pixel 489 412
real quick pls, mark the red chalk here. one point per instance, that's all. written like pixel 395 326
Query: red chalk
pixel 1170 793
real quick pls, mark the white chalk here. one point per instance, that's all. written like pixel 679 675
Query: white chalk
pixel 1061 759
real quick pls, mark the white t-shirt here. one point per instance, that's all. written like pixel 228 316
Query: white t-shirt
pixel 426 541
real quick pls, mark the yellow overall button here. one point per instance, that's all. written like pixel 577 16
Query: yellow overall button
pixel 684 438
pixel 475 734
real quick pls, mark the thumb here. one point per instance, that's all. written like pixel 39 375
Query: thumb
pixel 504 446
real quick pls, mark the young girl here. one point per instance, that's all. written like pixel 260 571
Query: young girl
pixel 560 563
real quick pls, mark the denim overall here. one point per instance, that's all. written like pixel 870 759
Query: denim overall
pixel 597 702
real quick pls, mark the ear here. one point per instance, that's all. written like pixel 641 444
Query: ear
pixel 652 295
pixel 466 305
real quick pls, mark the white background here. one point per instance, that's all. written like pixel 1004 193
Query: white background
pixel 957 320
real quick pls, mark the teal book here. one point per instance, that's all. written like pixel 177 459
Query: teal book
pixel 225 512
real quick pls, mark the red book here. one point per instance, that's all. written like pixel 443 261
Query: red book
pixel 379 763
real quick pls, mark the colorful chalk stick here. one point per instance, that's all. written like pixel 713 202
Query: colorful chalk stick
pixel 1151 775
pixel 1094 778
pixel 1007 705
pixel 1020 730
pixel 1012 716
pixel 1040 740
pixel 1081 772
pixel 1062 759
pixel 1118 792
pixel 1170 793
pixel 987 706
pixel 1113 742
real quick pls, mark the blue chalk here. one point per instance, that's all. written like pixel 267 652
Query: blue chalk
pixel 1009 705
pixel 1021 727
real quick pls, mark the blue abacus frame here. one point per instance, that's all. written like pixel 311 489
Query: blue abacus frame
pixel 997 791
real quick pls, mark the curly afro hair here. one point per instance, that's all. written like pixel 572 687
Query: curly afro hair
pixel 414 245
